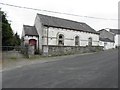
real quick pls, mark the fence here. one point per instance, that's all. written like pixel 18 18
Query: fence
pixel 11 48
pixel 12 52
pixel 18 51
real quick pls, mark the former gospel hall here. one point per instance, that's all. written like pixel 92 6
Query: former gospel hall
pixel 56 36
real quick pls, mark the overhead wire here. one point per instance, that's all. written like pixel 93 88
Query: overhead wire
pixel 56 12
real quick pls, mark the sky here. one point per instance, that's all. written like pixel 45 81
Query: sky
pixel 95 8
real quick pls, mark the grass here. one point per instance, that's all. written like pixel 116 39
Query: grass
pixel 13 58
pixel 35 57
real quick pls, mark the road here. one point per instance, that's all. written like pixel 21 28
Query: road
pixel 99 70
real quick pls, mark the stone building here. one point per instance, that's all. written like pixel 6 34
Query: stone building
pixel 53 35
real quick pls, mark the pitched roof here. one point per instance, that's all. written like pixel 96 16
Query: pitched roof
pixel 103 30
pixel 105 40
pixel 115 31
pixel 30 30
pixel 64 23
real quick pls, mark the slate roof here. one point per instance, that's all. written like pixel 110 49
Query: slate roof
pixel 105 40
pixel 30 30
pixel 115 31
pixel 64 23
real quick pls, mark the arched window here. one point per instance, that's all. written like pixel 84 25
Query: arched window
pixel 76 40
pixel 90 41
pixel 61 39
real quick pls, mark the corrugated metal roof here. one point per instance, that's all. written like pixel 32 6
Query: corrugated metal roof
pixel 115 31
pixel 30 30
pixel 64 23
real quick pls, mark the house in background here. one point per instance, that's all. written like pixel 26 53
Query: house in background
pixel 106 39
pixel 53 35
pixel 116 33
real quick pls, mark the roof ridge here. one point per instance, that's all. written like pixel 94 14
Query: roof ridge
pixel 61 18
pixel 65 23
pixel 30 30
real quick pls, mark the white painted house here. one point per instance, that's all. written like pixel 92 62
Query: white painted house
pixel 116 33
pixel 106 43
pixel 53 31
pixel 106 39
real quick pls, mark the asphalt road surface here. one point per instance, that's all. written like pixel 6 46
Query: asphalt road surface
pixel 99 70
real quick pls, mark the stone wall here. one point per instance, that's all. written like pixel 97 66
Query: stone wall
pixel 65 50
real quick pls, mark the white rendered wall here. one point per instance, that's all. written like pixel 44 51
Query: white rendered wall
pixel 108 45
pixel 27 38
pixel 39 29
pixel 69 37
pixel 101 43
pixel 23 33
pixel 117 40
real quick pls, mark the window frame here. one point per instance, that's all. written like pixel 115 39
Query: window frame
pixel 90 41
pixel 61 40
pixel 77 43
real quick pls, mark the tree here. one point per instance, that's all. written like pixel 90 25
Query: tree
pixel 16 40
pixel 7 33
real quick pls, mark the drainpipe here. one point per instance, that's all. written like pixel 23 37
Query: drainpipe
pixel 47 36
pixel 38 45
pixel 47 41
